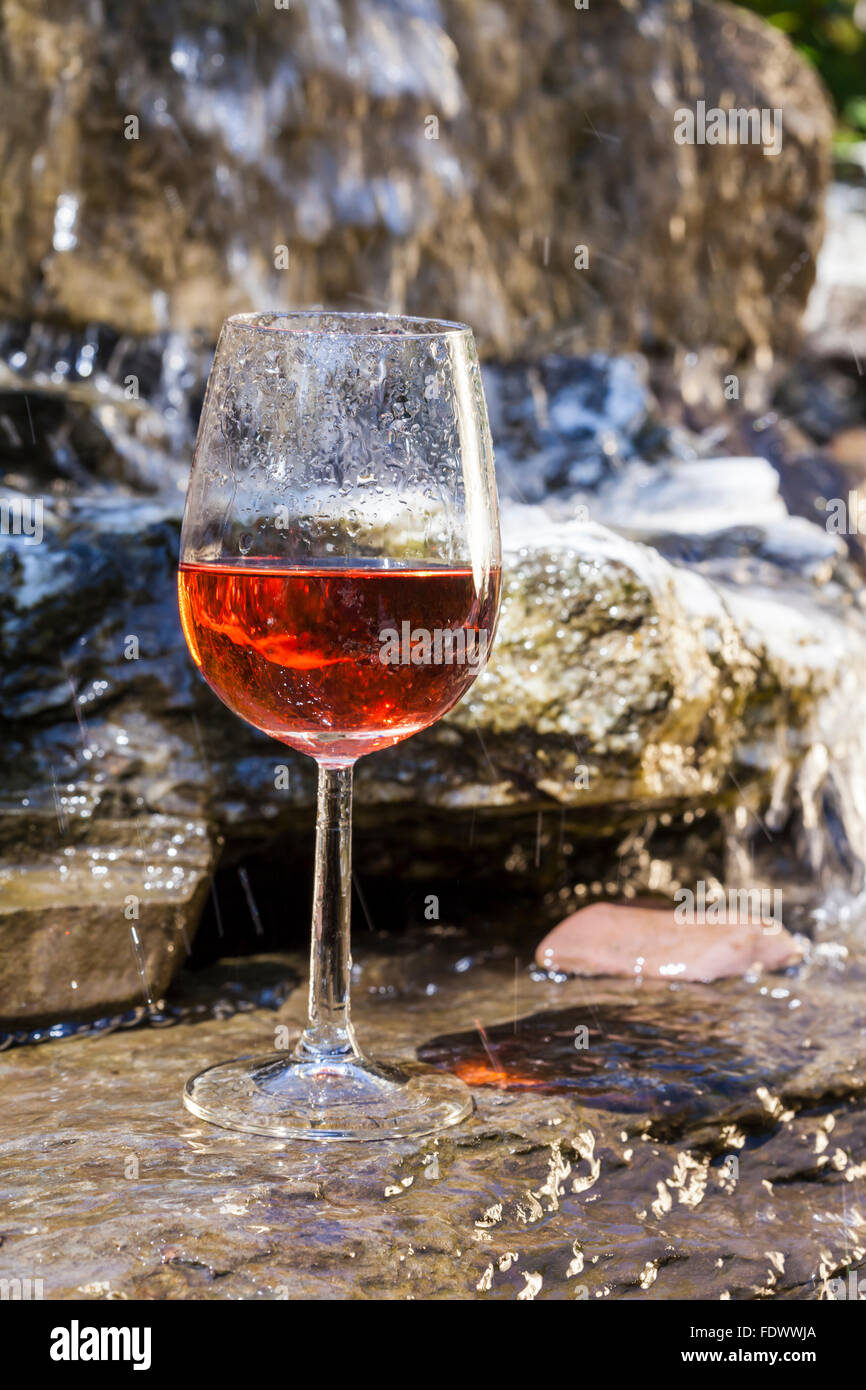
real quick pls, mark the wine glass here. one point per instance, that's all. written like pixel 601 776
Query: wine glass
pixel 339 589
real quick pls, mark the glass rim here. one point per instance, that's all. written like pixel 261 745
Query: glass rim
pixel 415 326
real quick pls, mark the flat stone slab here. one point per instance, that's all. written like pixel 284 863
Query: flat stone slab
pixel 654 1141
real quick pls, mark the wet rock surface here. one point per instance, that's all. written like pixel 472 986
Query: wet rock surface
pixel 163 167
pixel 674 690
pixel 79 938
pixel 660 1141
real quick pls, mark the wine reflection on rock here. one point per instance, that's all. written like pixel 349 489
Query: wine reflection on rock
pixel 355 626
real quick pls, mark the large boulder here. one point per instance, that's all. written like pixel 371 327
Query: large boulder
pixel 162 165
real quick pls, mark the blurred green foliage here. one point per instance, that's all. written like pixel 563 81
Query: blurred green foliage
pixel 832 35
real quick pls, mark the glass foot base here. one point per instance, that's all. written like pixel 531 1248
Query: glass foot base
pixel 352 1098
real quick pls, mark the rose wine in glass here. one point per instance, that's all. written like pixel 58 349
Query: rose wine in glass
pixel 297 650
pixel 339 589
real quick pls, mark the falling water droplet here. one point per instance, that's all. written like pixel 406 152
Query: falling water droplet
pixel 251 902
pixel 245 544
pixel 139 957
pixel 216 905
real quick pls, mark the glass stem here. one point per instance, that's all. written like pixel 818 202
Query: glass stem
pixel 328 1036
